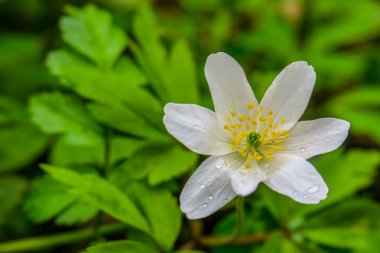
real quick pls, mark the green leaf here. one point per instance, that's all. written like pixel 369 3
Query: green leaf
pixel 55 112
pixel 162 212
pixel 46 191
pixel 353 224
pixel 343 175
pixel 361 108
pixel 123 119
pixel 78 212
pixel 160 162
pixel 109 88
pixel 150 52
pixel 189 251
pixel 16 134
pixel 65 154
pixel 181 79
pixel 121 247
pixel 101 194
pixel 277 243
pixel 351 25
pixel 90 31
pixel 15 138
pixel 11 191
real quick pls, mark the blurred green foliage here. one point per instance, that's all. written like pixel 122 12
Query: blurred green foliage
pixel 81 96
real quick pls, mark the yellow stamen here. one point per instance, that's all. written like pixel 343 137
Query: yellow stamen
pixel 228 118
pixel 233 114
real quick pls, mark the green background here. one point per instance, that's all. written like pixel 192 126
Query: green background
pixel 87 166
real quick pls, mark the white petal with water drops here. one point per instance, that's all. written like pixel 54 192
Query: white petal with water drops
pixel 197 128
pixel 290 174
pixel 208 188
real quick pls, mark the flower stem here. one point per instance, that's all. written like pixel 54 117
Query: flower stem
pixel 239 215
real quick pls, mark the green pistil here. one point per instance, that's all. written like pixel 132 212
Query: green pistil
pixel 253 140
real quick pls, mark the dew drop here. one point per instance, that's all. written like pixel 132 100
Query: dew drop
pixel 243 172
pixel 305 196
pixel 226 200
pixel 209 183
pixel 256 176
pixel 313 189
pixel 210 197
pixel 295 192
pixel 218 165
pixel 302 149
pixel 196 127
pixel 202 186
pixel 205 205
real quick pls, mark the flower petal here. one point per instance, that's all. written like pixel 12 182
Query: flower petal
pixel 229 87
pixel 208 189
pixel 197 128
pixel 314 137
pixel 290 93
pixel 296 178
pixel 245 181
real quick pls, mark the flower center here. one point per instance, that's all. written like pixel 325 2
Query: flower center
pixel 255 135
pixel 253 140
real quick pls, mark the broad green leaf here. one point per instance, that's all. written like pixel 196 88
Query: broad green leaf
pixel 353 224
pixel 20 65
pixel 90 31
pixel 351 25
pixel 121 247
pixel 47 192
pixel 55 112
pixel 342 175
pixel 16 134
pixel 78 212
pixel 123 119
pixel 345 174
pixel 159 162
pixel 162 212
pixel 181 83
pixel 277 243
pixel 101 194
pixel 189 251
pixel 121 148
pixel 11 192
pixel 20 145
pixel 361 108
pixel 149 51
pixel 110 87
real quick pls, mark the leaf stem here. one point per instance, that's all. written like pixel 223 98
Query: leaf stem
pixel 49 241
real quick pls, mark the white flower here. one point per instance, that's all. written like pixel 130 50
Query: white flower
pixel 248 142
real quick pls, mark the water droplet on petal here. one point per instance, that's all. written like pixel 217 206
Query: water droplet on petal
pixel 302 149
pixel 243 172
pixel 196 127
pixel 205 205
pixel 256 176
pixel 210 197
pixel 305 196
pixel 202 186
pixel 295 192
pixel 313 189
pixel 226 200
pixel 218 165
pixel 209 183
